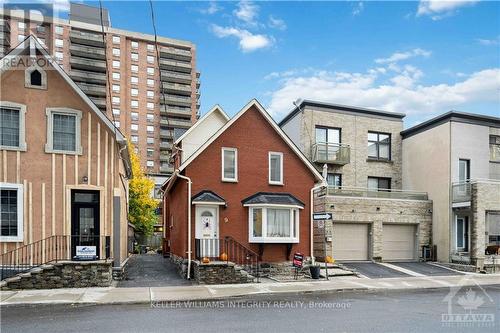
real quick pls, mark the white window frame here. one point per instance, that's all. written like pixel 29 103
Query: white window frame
pixel 115 88
pixel 59 30
pixel 150 71
pixel 150 106
pixel 22 125
pixel 134 68
pixel 59 55
pixel 150 129
pixel 134 56
pixel 235 179
pixel 134 78
pixel 50 121
pixel 59 42
pixel 116 76
pixel 266 239
pixel 116 39
pixel 116 52
pixel 274 182
pixel 150 163
pixel 134 104
pixel 150 94
pixel 134 127
pixel 151 47
pixel 116 64
pixel 20 212
pixel 134 92
pixel 150 59
pixel 134 44
pixel 115 100
pixel 150 82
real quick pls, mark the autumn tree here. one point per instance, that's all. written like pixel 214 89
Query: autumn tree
pixel 142 206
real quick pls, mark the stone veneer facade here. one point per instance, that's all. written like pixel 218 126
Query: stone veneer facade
pixel 364 210
pixel 354 132
pixel 485 197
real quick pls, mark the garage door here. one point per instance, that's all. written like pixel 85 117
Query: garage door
pixel 398 242
pixel 350 241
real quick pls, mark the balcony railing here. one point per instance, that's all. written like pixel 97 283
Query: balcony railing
pixel 461 192
pixel 175 110
pixel 88 64
pixel 166 168
pixel 175 53
pixel 87 51
pixel 86 38
pixel 177 88
pixel 175 65
pixel 88 77
pixel 362 192
pixel 165 146
pixel 93 89
pixel 332 153
pixel 4 25
pixel 175 77
pixel 176 123
pixel 494 152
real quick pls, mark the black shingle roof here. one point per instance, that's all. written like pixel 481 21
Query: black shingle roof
pixel 208 196
pixel 272 199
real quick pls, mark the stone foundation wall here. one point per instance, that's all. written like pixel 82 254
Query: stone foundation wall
pixel 64 275
pixel 283 268
pixel 181 264
pixel 219 272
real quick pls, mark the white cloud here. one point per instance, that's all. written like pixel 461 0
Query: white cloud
pixel 247 11
pixel 358 8
pixel 438 9
pixel 277 23
pixel 398 56
pixel 248 41
pixel 489 42
pixel 212 8
pixel 401 92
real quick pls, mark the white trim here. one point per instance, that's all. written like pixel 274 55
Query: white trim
pixel 273 205
pixel 205 116
pixel 208 203
pixel 466 224
pixel 266 115
pixel 198 210
pixel 4 66
pixel 27 77
pixel 274 182
pixel 20 212
pixel 265 239
pixel 223 178
pixel 22 125
pixel 49 148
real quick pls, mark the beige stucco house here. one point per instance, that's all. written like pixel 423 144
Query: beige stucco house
pixel 455 157
pixel 64 166
pixel 373 219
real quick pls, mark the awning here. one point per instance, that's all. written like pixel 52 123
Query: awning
pixel 272 199
pixel 208 198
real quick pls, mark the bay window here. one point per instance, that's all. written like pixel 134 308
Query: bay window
pixel 273 224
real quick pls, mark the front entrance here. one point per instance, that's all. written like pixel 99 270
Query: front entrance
pixel 207 231
pixel 85 224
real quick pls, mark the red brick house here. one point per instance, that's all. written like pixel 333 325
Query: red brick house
pixel 247 180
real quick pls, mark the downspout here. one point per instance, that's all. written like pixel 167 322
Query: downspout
pixel 189 182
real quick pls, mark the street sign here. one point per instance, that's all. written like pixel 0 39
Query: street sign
pixel 322 216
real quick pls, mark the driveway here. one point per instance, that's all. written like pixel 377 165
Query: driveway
pixel 373 270
pixel 151 270
pixel 426 268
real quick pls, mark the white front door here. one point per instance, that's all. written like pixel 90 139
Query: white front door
pixel 207 230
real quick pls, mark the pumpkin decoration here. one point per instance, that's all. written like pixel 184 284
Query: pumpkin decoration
pixel 329 260
pixel 223 256
pixel 205 260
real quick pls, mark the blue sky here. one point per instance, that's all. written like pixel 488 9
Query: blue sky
pixel 420 58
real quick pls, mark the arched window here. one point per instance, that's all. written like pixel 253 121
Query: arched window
pixel 36 78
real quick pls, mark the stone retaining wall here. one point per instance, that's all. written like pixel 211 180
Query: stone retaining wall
pixel 69 274
pixel 219 272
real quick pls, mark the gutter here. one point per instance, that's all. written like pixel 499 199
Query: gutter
pixel 189 251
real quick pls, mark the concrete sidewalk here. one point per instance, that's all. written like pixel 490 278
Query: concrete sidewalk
pixel 113 295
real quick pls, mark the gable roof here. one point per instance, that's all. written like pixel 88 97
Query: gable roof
pixel 207 196
pixel 273 124
pixel 33 43
pixel 340 107
pixel 216 108
pixel 266 198
pixel 461 117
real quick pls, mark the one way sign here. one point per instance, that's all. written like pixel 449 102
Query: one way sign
pixel 322 216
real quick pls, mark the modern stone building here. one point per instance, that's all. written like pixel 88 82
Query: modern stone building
pixel 455 157
pixel 373 218
pixel 151 102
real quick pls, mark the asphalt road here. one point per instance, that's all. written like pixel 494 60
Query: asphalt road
pixel 409 311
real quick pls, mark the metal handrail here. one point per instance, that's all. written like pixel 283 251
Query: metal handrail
pixel 335 153
pixel 352 191
pixel 48 250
